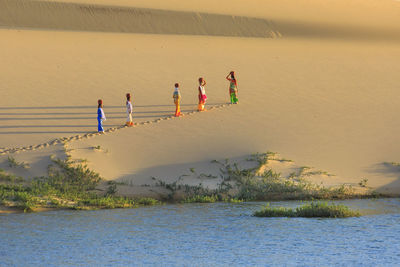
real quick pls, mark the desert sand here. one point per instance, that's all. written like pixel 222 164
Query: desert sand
pixel 318 83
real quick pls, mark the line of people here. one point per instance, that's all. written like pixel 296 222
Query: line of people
pixel 233 94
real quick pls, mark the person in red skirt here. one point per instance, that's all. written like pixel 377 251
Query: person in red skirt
pixel 202 94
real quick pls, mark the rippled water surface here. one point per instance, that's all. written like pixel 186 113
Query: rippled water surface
pixel 217 234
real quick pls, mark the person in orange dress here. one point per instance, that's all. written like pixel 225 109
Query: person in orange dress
pixel 177 99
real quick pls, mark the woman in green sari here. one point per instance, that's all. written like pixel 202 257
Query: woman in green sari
pixel 232 87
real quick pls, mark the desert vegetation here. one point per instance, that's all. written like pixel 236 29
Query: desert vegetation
pixel 69 184
pixel 313 209
pixel 258 183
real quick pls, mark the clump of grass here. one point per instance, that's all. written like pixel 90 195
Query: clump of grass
pixel 232 200
pixel 69 175
pixel 13 163
pixel 112 188
pixel 210 199
pixel 17 196
pixel 147 201
pixel 314 209
pixel 6 177
pixel 201 199
pixel 105 202
pixel 193 193
pixel 250 184
pixel 363 182
pixel 113 202
pixel 26 206
pixel 274 212
pixel 69 185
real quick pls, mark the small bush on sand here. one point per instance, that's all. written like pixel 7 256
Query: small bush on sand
pixel 12 163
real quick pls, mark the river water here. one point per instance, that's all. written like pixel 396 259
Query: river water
pixel 218 234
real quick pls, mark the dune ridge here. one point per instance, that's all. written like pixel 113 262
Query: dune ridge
pixel 159 18
pixel 101 18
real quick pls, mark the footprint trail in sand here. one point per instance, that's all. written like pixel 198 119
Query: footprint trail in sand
pixel 56 141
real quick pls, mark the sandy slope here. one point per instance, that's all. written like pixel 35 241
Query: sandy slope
pixel 89 17
pixel 326 102
pixel 355 19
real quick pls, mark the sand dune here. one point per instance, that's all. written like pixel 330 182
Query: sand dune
pixel 311 19
pixel 86 17
pixel 324 95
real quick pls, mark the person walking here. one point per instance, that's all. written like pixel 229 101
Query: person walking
pixel 129 110
pixel 232 87
pixel 100 116
pixel 177 98
pixel 202 95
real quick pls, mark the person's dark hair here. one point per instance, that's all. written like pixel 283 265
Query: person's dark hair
pixel 128 97
pixel 100 103
pixel 201 80
pixel 176 85
pixel 233 75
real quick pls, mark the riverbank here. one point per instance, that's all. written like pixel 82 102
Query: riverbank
pixel 320 88
pixel 71 184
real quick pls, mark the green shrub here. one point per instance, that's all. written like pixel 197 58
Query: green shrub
pixel 68 175
pixel 26 206
pixel 112 188
pixel 275 212
pixel 314 209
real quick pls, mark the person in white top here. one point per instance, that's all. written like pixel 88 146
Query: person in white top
pixel 129 110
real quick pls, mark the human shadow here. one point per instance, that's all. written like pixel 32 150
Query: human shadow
pixel 53 118
pixel 85 113
pixel 53 107
pixel 105 106
pixel 46 132
pixel 171 105
pixel 53 126
pixel 54 113
pixel 81 118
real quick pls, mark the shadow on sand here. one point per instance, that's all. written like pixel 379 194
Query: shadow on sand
pixel 390 169
pixel 105 107
pixel 140 112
